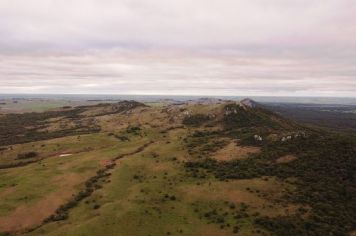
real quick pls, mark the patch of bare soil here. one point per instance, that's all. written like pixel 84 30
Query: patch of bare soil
pixel 212 230
pixel 65 155
pixel 7 191
pixel 233 151
pixel 286 159
pixel 213 194
pixel 106 162
pixel 27 216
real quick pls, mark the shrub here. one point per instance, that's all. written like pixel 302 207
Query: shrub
pixel 195 120
pixel 27 155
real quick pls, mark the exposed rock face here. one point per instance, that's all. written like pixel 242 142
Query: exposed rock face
pixel 186 113
pixel 286 138
pixel 294 135
pixel 248 103
pixel 230 110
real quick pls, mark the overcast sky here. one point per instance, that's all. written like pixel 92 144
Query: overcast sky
pixel 199 47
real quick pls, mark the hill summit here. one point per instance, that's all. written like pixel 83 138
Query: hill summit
pixel 247 102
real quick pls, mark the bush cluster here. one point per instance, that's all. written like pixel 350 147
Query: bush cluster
pixel 27 155
pixel 325 181
pixel 196 120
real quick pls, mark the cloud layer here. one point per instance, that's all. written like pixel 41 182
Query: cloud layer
pixel 203 47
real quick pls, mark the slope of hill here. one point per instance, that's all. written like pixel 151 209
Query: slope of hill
pixel 205 168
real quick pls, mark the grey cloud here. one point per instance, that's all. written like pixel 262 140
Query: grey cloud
pixel 229 47
pixel 152 73
pixel 159 23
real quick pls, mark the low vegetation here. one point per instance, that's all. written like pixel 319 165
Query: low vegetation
pixel 196 120
pixel 27 155
pixel 323 175
pixel 223 169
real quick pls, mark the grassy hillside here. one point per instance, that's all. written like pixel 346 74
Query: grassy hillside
pixel 190 169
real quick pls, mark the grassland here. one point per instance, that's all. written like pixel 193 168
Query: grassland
pixel 131 176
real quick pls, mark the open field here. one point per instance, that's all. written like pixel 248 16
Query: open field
pixel 188 169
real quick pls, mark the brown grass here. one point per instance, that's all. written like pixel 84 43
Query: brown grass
pixel 233 151
pixel 236 192
pixel 212 230
pixel 26 216
pixel 107 162
pixel 218 191
pixel 286 159
pixel 7 191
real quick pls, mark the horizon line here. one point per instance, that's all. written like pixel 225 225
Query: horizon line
pixel 181 95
